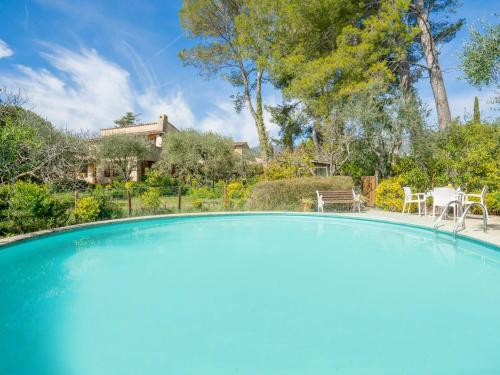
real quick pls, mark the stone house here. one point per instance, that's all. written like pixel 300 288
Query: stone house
pixel 240 147
pixel 154 132
pixel 102 173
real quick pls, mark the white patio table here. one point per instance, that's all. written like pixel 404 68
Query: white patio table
pixel 441 196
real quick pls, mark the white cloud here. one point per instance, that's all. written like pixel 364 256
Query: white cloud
pixel 174 106
pixel 5 51
pixel 240 126
pixel 84 91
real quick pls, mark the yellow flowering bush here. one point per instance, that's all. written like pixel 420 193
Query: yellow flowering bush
pixel 87 209
pixel 151 199
pixel 389 195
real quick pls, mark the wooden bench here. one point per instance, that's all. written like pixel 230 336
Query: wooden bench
pixel 347 197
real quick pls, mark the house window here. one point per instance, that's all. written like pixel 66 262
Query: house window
pixel 83 171
pixel 108 171
pixel 152 139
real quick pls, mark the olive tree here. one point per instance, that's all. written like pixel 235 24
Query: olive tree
pixel 123 151
pixel 32 148
pixel 190 154
pixel 226 46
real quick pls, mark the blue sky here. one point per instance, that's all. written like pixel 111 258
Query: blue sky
pixel 82 64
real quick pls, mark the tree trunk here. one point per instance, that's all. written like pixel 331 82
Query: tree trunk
pixel 435 75
pixel 404 74
pixel 315 138
pixel 257 113
pixel 179 198
pixel 265 146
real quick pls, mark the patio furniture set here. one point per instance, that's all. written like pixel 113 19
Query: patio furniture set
pixel 442 197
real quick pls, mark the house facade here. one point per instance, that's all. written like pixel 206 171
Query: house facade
pixel 240 147
pixel 154 132
pixel 103 173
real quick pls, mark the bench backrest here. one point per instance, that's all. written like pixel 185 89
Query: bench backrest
pixel 336 196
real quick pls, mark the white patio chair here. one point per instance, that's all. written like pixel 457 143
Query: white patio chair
pixel 481 198
pixel 410 198
pixel 441 196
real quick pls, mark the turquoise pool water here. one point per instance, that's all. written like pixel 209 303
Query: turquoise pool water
pixel 251 294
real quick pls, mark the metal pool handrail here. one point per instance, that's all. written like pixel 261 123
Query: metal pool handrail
pixel 445 212
pixel 461 222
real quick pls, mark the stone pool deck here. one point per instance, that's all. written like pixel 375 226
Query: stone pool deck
pixel 473 223
pixel 473 229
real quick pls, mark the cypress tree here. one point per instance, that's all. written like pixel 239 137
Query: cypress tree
pixel 477 115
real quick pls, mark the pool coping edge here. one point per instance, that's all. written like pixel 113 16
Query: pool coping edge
pixel 4 242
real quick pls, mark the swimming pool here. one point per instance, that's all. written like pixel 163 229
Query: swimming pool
pixel 249 294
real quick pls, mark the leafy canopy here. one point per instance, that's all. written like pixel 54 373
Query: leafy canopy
pixel 128 119
pixel 123 151
pixel 190 154
pixel 480 58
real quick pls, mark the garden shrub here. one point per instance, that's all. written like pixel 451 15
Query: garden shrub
pixel 31 207
pixel 471 155
pixel 205 192
pixel 6 225
pixel 276 171
pixel 87 209
pixel 156 178
pixel 291 164
pixel 493 202
pixel 151 199
pixel 107 208
pixel 197 204
pixel 96 206
pixel 236 190
pixel 389 195
pixel 411 175
pixel 287 194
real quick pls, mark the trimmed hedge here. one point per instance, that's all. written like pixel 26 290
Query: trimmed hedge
pixel 287 194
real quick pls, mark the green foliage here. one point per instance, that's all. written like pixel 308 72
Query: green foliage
pixel 129 119
pixel 17 142
pixel 290 164
pixel 236 190
pixel 332 49
pixel 470 156
pixel 409 174
pixel 189 154
pixel 107 208
pixel 151 199
pixel 87 209
pixel 290 121
pixel 6 225
pixel 31 207
pixel 389 195
pixel 206 192
pixel 277 171
pixel 157 178
pixel 197 204
pixel 123 151
pixel 229 45
pixel 467 156
pixel 480 59
pixel 493 202
pixel 288 194
pixel 33 148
